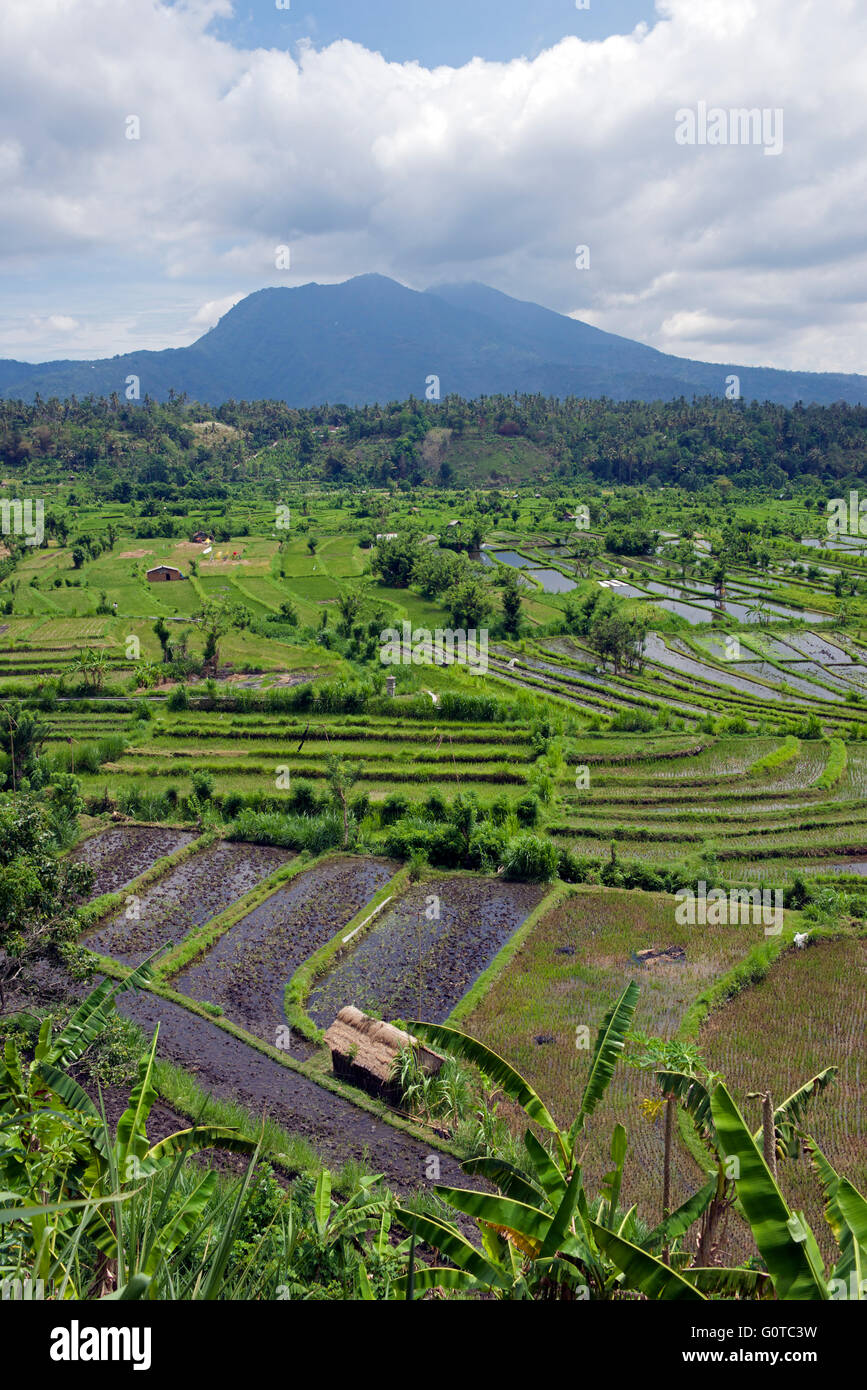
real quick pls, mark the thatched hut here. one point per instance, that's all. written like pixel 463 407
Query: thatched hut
pixel 363 1052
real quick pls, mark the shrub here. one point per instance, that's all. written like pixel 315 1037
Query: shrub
pixel 393 808
pixel 232 804
pixel 632 721
pixel 571 869
pixel 530 858
pixel 487 847
pixel 527 811
pixel 417 865
pixel 203 785
pixel 302 799
pixel 436 807
pixel 315 833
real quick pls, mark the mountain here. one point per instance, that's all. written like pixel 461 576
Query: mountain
pixel 371 339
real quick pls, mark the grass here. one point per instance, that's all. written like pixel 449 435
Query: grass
pixel 807 1012
pixel 562 977
pixel 835 767
pixel 790 748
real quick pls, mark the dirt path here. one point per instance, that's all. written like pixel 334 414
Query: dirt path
pixel 338 1130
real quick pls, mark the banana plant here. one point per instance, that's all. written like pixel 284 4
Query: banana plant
pixel 785 1241
pixel 784 1238
pixel 538 1236
pixel 692 1088
pixel 56 1141
pixel 332 1239
pixel 846 1214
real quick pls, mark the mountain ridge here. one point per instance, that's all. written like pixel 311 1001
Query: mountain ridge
pixel 371 340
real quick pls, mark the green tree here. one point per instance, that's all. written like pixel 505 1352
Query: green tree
pixel 511 587
pixel 394 558
pixel 22 735
pixel 617 635
pixel 469 602
pixel 349 605
pixel 215 618
pixel 342 776
pixel 434 570
pixel 38 892
pixel 585 549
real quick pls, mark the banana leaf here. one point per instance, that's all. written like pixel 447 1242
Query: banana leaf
pixel 559 1227
pixel 740 1283
pixel 493 1066
pixel 509 1179
pixel 550 1175
pixel 131 1142
pixel 436 1277
pixel 502 1212
pixel 791 1112
pixel 644 1271
pixel 679 1222
pixel 610 1042
pixel 449 1242
pixel 782 1240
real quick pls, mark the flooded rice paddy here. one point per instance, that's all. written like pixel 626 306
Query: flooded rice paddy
pixel 189 895
pixel 427 950
pixel 122 853
pixel 247 970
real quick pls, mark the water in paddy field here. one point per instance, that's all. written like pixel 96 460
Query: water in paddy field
pixel 818 648
pixel 852 866
pixel 775 676
pixel 656 650
pixel 745 615
pixel 694 616
pixel 623 589
pixel 840 680
pixel 852 543
pixel 505 557
pixel 552 581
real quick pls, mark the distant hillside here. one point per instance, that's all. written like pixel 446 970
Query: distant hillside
pixel 372 340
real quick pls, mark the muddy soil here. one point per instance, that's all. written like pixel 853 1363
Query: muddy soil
pixel 122 853
pixel 230 1069
pixel 189 895
pixel 162 1121
pixel 247 970
pixel 427 950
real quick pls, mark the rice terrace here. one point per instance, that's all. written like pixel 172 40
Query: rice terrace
pixel 433 679
pixel 542 980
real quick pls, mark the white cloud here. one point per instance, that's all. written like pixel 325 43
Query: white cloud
pixel 213 311
pixel 62 323
pixel 492 172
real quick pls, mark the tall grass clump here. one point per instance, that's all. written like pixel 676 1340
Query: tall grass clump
pixel 834 767
pixel 314 833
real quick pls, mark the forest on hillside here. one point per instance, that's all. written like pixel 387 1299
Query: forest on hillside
pixel 196 449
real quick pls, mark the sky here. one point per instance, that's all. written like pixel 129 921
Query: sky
pixel 160 159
